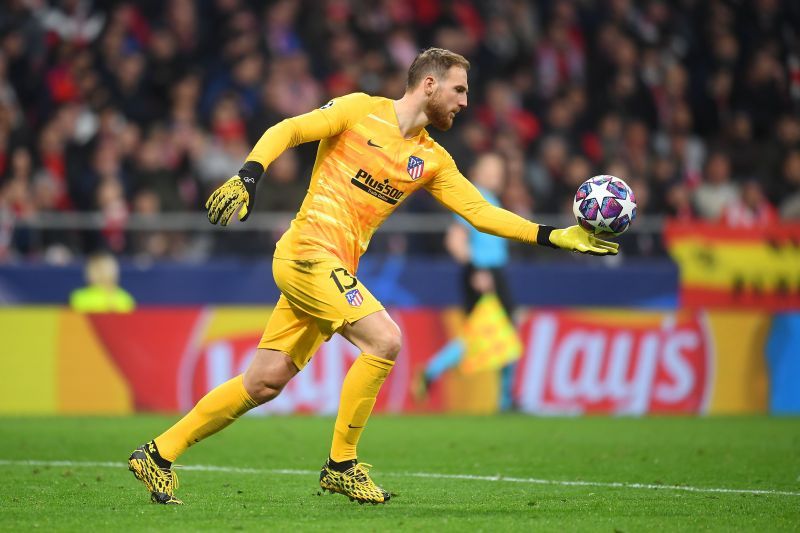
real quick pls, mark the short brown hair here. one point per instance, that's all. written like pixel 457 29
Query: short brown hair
pixel 436 61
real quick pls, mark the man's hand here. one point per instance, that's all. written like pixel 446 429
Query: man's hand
pixel 578 240
pixel 239 190
pixel 224 202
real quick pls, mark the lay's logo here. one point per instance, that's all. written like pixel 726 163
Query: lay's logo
pixel 615 362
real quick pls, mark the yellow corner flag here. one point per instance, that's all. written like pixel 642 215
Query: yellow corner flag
pixel 490 338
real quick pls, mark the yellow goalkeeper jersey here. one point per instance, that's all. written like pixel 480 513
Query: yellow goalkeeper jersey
pixel 364 170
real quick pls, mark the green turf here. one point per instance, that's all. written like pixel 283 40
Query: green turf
pixel 730 453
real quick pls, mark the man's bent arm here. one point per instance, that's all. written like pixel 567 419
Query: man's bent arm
pixel 456 193
pixel 330 120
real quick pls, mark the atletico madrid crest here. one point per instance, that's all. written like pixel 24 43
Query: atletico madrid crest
pixel 354 297
pixel 415 167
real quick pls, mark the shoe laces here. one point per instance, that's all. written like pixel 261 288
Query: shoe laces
pixel 174 479
pixel 168 476
pixel 360 471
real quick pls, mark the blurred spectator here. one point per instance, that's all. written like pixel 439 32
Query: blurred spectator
pixel 679 203
pixel 763 93
pixel 745 151
pixel 219 155
pixel 17 189
pixel 773 161
pixel 790 186
pixel 283 190
pixel 750 210
pixel 152 173
pixel 103 293
pixel 126 100
pixel 559 56
pixel 716 191
pixel 503 110
pixel 72 21
pixel 545 177
pixel 576 172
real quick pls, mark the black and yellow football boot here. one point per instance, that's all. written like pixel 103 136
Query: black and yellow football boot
pixel 351 478
pixel 160 481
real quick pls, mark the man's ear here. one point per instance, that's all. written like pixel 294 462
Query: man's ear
pixel 429 85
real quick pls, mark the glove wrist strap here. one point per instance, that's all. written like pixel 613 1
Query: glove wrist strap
pixel 251 172
pixel 543 236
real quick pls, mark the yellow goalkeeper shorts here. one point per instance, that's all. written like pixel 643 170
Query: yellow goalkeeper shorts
pixel 318 297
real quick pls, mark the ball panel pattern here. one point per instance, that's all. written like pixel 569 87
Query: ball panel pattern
pixel 585 225
pixel 589 208
pixel 583 191
pixel 618 189
pixel 620 224
pixel 610 208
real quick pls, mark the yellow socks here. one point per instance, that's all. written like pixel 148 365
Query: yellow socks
pixel 229 401
pixel 214 411
pixel 359 391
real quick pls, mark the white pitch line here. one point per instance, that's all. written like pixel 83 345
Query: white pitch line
pixel 427 475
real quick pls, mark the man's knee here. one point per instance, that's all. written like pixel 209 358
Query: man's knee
pixel 376 334
pixel 388 343
pixel 262 391
pixel 267 375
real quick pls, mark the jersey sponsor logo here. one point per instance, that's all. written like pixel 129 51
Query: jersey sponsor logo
pixel 370 143
pixel 415 167
pixel 379 189
pixel 354 297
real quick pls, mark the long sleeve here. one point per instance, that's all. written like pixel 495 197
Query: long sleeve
pixel 455 192
pixel 331 119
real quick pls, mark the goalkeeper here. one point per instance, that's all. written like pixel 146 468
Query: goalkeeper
pixel 373 153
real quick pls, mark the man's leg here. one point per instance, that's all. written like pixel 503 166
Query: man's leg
pixel 264 379
pixel 378 338
pixel 446 358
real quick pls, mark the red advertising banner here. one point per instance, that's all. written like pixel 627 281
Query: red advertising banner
pixel 573 361
pixel 172 357
pixel 615 362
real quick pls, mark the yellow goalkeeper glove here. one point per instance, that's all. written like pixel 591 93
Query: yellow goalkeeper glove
pixel 576 239
pixel 239 190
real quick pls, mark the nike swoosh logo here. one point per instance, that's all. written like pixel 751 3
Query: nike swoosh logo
pixel 369 142
pixel 355 427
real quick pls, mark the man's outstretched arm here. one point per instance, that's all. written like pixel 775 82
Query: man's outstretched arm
pixel 456 193
pixel 331 119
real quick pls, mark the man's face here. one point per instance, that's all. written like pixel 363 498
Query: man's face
pixel 448 98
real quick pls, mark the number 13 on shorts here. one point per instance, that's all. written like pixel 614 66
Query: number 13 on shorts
pixel 346 283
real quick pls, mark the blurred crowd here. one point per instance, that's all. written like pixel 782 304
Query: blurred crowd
pixel 143 107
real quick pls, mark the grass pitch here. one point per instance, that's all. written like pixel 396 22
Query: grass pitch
pixel 503 473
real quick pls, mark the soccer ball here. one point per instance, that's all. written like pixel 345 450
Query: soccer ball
pixel 604 205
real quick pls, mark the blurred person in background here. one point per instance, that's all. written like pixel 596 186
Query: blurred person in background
pixel 717 189
pixel 483 258
pixel 503 111
pixel 373 153
pixel 714 73
pixel 560 59
pixel 545 174
pixel 679 203
pixel 775 160
pixel 751 209
pixel 789 198
pixel 103 293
